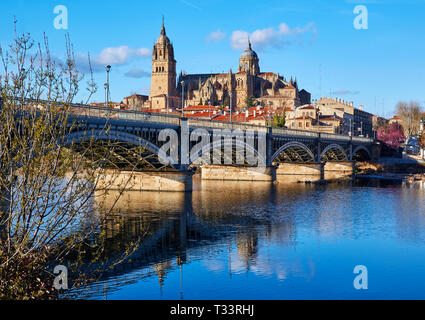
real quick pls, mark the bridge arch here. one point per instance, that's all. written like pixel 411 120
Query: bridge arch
pixel 334 152
pixel 153 150
pixel 240 150
pixel 361 153
pixel 294 151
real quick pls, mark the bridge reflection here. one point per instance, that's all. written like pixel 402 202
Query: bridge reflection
pixel 179 227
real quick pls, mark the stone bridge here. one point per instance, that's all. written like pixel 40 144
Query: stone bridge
pixel 165 150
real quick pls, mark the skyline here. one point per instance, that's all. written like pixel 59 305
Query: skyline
pixel 314 42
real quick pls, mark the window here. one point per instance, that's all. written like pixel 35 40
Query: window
pixel 307 124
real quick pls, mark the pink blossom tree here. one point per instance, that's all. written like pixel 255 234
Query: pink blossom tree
pixel 391 135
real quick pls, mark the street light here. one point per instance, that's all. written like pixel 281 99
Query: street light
pixel 182 83
pixel 108 68
pixel 106 94
pixel 350 132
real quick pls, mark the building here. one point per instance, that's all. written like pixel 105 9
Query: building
pixel 356 120
pixel 163 77
pixel 228 89
pixel 135 101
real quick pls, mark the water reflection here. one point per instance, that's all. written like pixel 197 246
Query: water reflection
pixel 252 240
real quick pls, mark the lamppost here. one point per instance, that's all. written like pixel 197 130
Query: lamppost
pixel 182 83
pixel 166 95
pixel 361 128
pixel 318 119
pixel 108 68
pixel 106 94
pixel 209 109
pixel 350 132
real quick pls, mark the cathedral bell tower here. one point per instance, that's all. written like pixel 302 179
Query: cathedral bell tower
pixel 163 78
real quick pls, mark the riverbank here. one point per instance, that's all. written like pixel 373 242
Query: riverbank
pixel 405 169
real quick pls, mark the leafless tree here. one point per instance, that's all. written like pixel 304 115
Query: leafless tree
pixel 48 211
pixel 410 114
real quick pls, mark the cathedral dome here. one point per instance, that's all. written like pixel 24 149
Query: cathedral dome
pixel 249 52
pixel 249 62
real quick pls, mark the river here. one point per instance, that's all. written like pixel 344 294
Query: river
pixel 241 240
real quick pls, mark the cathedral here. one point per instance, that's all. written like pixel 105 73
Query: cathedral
pixel 228 89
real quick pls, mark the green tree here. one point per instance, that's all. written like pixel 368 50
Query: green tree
pixel 249 102
pixel 279 120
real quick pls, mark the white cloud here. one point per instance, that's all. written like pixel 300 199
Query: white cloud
pixel 113 55
pixel 276 37
pixel 216 36
pixel 120 55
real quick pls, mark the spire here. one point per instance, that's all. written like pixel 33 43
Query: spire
pixel 163 28
pixel 249 44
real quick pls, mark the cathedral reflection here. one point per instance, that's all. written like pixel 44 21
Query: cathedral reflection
pixel 174 227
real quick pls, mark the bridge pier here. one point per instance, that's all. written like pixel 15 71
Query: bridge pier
pixel 147 181
pixel 338 170
pixel 299 172
pixel 234 173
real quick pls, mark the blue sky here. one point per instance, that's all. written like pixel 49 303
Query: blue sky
pixel 312 40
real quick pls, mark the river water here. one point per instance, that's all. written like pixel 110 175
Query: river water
pixel 240 240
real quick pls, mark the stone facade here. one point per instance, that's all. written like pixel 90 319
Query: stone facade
pixel 356 120
pixel 136 101
pixel 267 88
pixel 163 77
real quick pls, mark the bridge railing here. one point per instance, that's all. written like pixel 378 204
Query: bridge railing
pixel 103 112
pixel 363 139
pixel 294 132
pixel 332 136
pixel 225 125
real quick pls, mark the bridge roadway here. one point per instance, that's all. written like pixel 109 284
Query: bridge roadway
pixel 282 154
